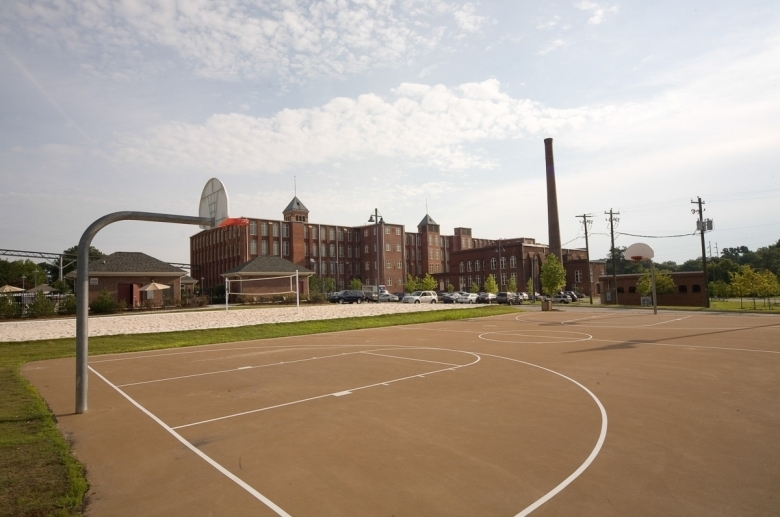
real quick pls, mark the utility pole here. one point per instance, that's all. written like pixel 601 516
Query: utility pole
pixel 612 220
pixel 702 227
pixel 716 250
pixel 585 223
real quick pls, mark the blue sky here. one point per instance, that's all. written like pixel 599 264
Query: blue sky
pixel 134 105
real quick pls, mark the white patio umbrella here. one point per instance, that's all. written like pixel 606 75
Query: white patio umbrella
pixel 154 286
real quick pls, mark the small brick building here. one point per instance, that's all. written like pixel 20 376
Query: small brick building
pixel 123 274
pixel 276 272
pixel 689 290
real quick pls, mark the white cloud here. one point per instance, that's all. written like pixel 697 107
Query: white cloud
pixel 422 125
pixel 234 39
pixel 549 24
pixel 552 46
pixel 467 18
pixel 599 11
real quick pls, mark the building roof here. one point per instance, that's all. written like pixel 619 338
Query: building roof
pixel 426 221
pixel 268 264
pixel 130 262
pixel 296 204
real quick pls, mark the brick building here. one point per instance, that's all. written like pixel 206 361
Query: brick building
pixel 688 292
pixel 378 253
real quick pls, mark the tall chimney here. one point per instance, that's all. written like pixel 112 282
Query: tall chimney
pixel 552 202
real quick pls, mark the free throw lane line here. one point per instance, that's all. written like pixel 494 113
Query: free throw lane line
pixel 237 480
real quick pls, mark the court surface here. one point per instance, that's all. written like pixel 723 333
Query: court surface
pixel 573 412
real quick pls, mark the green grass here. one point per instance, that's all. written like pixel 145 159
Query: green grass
pixel 38 474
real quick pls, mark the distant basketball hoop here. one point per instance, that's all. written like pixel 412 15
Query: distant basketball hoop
pixel 639 252
pixel 214 203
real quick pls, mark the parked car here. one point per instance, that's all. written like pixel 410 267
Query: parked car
pixel 561 298
pixel 524 296
pixel 452 297
pixel 388 297
pixel 486 298
pixel 353 297
pixel 572 295
pixel 421 297
pixel 508 298
pixel 467 298
pixel 336 297
pixel 400 296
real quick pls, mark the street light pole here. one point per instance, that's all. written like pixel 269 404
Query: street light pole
pixel 377 218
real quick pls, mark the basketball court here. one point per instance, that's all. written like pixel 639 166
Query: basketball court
pixel 572 412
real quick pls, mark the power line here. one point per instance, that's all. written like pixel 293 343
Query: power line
pixel 657 236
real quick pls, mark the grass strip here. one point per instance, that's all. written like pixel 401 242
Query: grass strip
pixel 38 474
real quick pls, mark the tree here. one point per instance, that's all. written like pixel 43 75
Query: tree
pixel 553 276
pixel 329 285
pixel 11 273
pixel 745 283
pixel 663 283
pixel 691 265
pixel 355 284
pixel 412 284
pixel 739 287
pixel 428 283
pixel 623 266
pixel 767 286
pixel 474 288
pixel 490 285
pixel 530 287
pixel 315 284
pixel 512 285
pixel 450 288
pixel 720 289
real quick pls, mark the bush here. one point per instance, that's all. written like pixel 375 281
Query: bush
pixel 67 305
pixel 317 298
pixel 104 303
pixel 40 307
pixel 9 308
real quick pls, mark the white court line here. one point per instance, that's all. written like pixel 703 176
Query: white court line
pixel 689 346
pixel 409 359
pixel 560 339
pixel 382 383
pixel 188 352
pixel 669 321
pixel 236 369
pixel 237 480
pixel 592 456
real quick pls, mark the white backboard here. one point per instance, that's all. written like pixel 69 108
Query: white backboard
pixel 639 251
pixel 214 202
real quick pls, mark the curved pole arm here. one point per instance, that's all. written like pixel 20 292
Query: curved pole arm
pixel 82 285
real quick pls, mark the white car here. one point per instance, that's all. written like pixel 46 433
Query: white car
pixel 467 298
pixel 388 297
pixel 421 297
pixel 523 295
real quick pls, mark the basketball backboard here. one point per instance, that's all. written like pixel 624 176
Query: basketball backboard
pixel 639 251
pixel 214 202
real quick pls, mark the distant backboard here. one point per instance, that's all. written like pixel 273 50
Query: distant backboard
pixel 214 202
pixel 639 251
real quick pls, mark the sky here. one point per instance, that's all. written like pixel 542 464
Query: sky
pixel 392 105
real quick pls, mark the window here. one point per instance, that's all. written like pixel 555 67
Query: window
pixel 252 227
pixel 332 268
pixel 323 250
pixel 476 265
pixel 461 268
pixel 578 277
pixel 632 289
pixel 683 288
pixel 368 266
pixel 264 248
pixel 429 240
pixel 696 288
pixel 276 249
pixel 374 247
pixel 493 263
pixel 332 234
pixel 398 265
pixel 275 229
pixel 398 231
pixel 387 230
pixel 389 264
pixel 388 247
pixel 285 248
pixel 332 250
pixel 503 278
pixel 253 247
pixel 306 248
pixel 469 282
pixel 468 266
pixel 357 268
pixel 365 232
pixel 341 250
pixel 503 262
pixel 305 232
pixel 461 282
pixel 430 254
pixel 349 236
pixel 340 234
pixel 314 250
pixel 285 230
pixel 264 229
pixel 512 261
pixel 374 230
pixel 620 290
pixel 341 268
pixel 375 265
pixel 357 251
pixel 366 249
pixel 398 247
pixel 478 280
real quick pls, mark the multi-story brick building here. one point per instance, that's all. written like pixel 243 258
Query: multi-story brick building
pixel 379 253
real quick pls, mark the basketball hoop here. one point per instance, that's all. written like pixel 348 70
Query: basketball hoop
pixel 639 252
pixel 214 203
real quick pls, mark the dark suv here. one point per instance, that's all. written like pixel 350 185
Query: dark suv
pixel 353 297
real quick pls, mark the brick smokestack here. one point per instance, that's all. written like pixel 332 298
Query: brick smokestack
pixel 552 202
